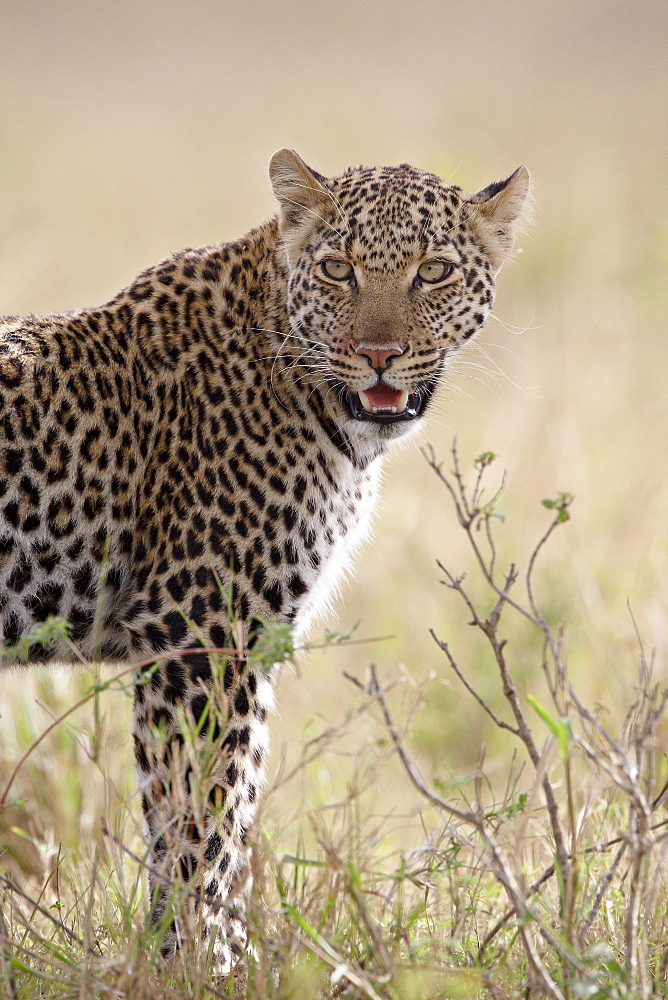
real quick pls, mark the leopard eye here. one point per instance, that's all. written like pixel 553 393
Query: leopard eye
pixel 433 271
pixel 339 270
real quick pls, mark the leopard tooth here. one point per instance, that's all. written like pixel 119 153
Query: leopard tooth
pixel 403 402
pixel 364 400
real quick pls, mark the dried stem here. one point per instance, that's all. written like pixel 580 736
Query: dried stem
pixel 8 977
pixel 489 627
pixel 627 761
pixel 501 866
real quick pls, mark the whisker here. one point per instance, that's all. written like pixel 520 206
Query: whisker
pixel 457 370
pixel 523 388
pixel 293 336
pixel 325 190
pixel 456 170
pixel 312 211
pixel 516 331
pixel 291 358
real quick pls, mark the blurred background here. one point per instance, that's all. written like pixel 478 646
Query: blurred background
pixel 128 130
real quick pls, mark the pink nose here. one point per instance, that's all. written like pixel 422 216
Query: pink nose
pixel 379 358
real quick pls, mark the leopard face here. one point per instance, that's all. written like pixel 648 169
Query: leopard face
pixel 391 270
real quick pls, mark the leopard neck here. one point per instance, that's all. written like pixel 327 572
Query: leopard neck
pixel 292 368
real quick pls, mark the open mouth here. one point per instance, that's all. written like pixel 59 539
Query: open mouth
pixel 384 405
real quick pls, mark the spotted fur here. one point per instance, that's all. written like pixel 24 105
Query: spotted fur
pixel 211 438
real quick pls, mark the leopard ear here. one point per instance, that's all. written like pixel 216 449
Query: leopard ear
pixel 497 213
pixel 300 190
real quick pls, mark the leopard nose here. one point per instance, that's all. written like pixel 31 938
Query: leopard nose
pixel 379 357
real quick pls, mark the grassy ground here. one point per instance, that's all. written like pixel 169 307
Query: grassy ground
pixel 132 130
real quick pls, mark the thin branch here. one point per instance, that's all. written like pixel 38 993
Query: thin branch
pixel 604 885
pixel 6 950
pixel 430 456
pixel 376 691
pixel 471 690
pixel 489 628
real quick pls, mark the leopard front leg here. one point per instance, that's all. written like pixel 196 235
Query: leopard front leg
pixel 200 734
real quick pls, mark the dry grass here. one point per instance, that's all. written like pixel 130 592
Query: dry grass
pixel 132 130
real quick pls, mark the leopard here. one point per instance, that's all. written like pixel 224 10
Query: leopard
pixel 200 458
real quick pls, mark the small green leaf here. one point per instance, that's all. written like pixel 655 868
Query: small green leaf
pixel 561 504
pixel 45 634
pixel 20 833
pixel 274 644
pixel 333 638
pixel 560 728
pixel 484 459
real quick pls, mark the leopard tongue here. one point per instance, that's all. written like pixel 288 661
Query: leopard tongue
pixel 383 398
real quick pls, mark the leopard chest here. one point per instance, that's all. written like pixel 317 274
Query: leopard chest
pixel 318 538
pixel 294 536
pixel 273 528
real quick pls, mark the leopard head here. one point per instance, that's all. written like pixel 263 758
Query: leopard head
pixel 391 270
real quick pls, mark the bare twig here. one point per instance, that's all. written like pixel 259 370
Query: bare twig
pixel 465 519
pixel 627 761
pixel 488 627
pixel 376 691
pixel 471 690
pixel 468 516
pixel 502 868
pixel 8 977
